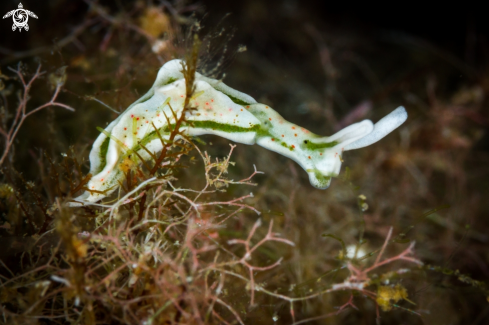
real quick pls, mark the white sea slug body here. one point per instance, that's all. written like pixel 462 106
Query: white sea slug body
pixel 222 111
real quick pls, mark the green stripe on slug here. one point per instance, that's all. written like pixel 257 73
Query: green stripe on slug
pixel 223 127
pixel 103 155
pixel 168 81
pixel 237 100
pixel 314 146
pixel 105 147
pixel 322 180
pixel 108 135
pixel 215 126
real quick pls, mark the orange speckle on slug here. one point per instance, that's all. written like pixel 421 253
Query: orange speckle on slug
pixel 295 134
pixel 283 136
pixel 309 157
pixel 270 118
pixel 293 128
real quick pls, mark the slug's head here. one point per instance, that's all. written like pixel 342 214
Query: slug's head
pixel 325 153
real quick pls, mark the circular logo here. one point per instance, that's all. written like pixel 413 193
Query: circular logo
pixel 20 18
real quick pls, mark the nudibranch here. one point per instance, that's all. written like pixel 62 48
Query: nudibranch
pixel 226 112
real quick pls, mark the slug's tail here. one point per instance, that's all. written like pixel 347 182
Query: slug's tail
pixel 355 136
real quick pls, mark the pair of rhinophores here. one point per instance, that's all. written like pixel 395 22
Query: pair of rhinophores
pixel 226 112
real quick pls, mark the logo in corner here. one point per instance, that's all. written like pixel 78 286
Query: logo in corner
pixel 20 17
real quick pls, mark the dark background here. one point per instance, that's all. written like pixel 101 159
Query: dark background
pixel 453 27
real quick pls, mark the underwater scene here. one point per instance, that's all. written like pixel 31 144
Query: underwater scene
pixel 243 162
